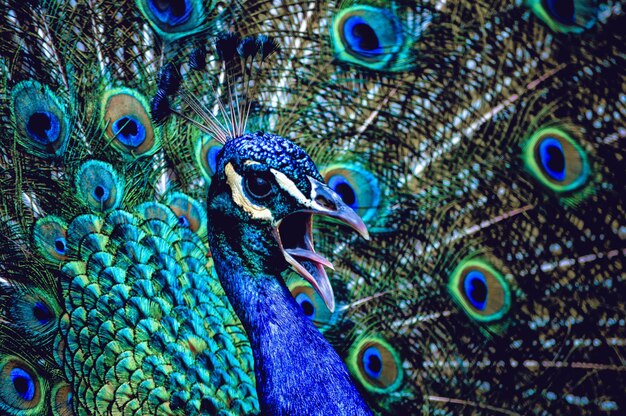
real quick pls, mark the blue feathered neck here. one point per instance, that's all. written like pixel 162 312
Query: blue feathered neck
pixel 297 371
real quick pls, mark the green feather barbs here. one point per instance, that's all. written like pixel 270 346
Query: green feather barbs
pixel 480 290
pixel 21 393
pixel 126 123
pixel 566 16
pixel 41 120
pixel 99 186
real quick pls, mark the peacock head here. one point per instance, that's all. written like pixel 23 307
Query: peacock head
pixel 265 189
pixel 271 186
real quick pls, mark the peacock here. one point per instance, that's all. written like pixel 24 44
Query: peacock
pixel 181 182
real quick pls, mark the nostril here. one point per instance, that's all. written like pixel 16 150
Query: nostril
pixel 326 202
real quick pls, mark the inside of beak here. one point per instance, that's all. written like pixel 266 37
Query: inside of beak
pixel 294 234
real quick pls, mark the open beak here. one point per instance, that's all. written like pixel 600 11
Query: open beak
pixel 294 234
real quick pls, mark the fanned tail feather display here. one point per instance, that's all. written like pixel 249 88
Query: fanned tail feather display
pixel 480 142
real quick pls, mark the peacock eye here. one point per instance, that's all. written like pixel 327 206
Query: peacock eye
pixel 368 36
pixel 480 290
pixel 376 364
pixel 566 16
pixel 556 160
pixel 258 185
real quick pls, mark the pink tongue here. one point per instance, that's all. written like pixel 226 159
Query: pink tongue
pixel 309 255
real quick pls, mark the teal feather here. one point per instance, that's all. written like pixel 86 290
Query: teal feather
pixel 480 141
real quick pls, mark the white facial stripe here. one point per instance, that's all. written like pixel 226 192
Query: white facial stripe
pixel 235 182
pixel 289 186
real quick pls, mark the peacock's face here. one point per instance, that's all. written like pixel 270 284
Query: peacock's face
pixel 273 186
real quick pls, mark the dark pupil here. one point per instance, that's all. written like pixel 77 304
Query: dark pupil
pixel 39 124
pixel 347 193
pixel 556 159
pixel 42 313
pixel 59 245
pixel 369 40
pixel 129 127
pixel 562 10
pixel 99 192
pixel 182 221
pixel 21 385
pixel 478 291
pixel 307 308
pixel 374 364
pixel 177 7
pixel 259 186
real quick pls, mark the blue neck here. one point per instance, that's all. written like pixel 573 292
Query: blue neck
pixel 297 371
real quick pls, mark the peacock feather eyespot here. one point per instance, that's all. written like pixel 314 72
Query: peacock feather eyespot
pixel 310 302
pixel 174 19
pixel 35 312
pixel 99 186
pixel 566 16
pixel 62 400
pixel 21 392
pixel 42 313
pixel 191 214
pixel 370 37
pixel 556 160
pixel 126 121
pixel 480 290
pixel 357 187
pixel 40 118
pixel 376 365
pixel 50 236
pixel 205 152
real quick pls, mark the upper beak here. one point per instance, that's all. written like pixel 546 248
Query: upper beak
pixel 296 241
pixel 329 203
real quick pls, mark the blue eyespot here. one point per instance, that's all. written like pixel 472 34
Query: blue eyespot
pixel 563 11
pixel 306 304
pixel 42 313
pixel 373 362
pixel 129 131
pixel 171 12
pixel 343 188
pixel 361 37
pixel 475 286
pixel 23 384
pixel 552 158
pixel 44 127
pixel 100 193
pixel 212 157
pixel 60 245
pixel 183 221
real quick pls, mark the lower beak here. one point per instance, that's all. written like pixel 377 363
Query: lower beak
pixel 300 253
